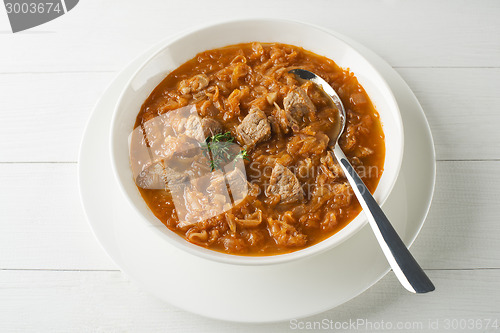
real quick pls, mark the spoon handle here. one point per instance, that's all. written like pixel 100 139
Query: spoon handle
pixel 406 268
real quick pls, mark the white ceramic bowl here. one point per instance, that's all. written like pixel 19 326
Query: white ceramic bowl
pixel 177 51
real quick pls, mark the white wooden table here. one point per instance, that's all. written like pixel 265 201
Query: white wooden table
pixel 54 276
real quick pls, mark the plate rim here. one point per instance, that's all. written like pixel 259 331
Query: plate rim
pixel 355 45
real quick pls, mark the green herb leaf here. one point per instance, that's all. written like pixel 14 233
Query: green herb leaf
pixel 217 149
pixel 227 137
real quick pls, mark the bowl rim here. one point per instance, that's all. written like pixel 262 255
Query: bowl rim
pixel 317 248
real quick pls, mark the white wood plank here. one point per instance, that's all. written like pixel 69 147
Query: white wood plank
pixel 462 106
pixel 42 116
pixel 41 301
pixel 50 232
pixel 42 224
pixel 106 35
pixel 462 229
pixel 458 295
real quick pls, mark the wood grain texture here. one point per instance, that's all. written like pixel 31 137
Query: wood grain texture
pixel 462 107
pixel 41 301
pixel 42 127
pixel 106 35
pixel 42 116
pixel 42 223
pixel 462 230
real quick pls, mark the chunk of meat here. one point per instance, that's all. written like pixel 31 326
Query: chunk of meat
pixel 211 127
pixel 275 126
pixel 284 184
pixel 254 128
pixel 193 128
pixel 284 120
pixel 156 175
pixel 235 179
pixel 180 146
pixel 238 184
pixel 297 104
pixel 201 128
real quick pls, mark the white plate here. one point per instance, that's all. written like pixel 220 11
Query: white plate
pixel 252 293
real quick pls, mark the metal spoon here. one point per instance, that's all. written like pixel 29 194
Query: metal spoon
pixel 406 268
